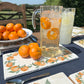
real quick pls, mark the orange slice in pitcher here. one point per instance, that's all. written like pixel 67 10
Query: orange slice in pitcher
pixel 53 33
pixel 45 23
pixel 59 21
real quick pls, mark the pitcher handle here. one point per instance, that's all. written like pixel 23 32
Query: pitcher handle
pixel 33 18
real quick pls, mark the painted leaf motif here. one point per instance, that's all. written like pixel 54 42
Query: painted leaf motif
pixel 9 55
pixel 30 66
pixel 47 82
pixel 5 62
pixel 14 63
pixel 9 68
pixel 70 56
pixel 79 77
pixel 11 72
pixel 18 71
pixel 82 81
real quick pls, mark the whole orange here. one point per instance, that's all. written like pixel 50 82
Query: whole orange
pixel 0 36
pixel 5 35
pixel 13 36
pixel 9 27
pixel 17 27
pixel 2 28
pixel 21 33
pixel 24 51
pixel 31 45
pixel 35 53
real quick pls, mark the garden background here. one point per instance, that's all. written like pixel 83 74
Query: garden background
pixel 78 4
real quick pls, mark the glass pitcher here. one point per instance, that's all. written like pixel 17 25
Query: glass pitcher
pixel 50 21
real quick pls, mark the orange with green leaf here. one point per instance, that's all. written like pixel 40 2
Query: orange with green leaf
pixel 51 60
pixel 10 58
pixel 15 54
pixel 38 63
pixel 9 64
pixel 24 68
pixel 79 77
pixel 15 68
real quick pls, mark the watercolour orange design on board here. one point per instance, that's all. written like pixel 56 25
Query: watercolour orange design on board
pixel 10 62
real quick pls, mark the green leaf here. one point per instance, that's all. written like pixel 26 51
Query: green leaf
pixel 9 55
pixel 46 61
pixel 17 71
pixel 82 81
pixel 34 64
pixel 13 60
pixel 24 65
pixel 56 60
pixel 53 62
pixel 11 71
pixel 9 68
pixel 47 82
pixel 13 63
pixel 66 58
pixel 37 66
pixel 9 61
pixel 5 62
pixel 70 56
pixel 30 66
pixel 76 75
pixel 19 66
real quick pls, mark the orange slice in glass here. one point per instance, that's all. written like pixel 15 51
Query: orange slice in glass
pixel 53 33
pixel 45 23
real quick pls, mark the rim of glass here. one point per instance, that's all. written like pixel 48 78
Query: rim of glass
pixel 69 8
pixel 50 6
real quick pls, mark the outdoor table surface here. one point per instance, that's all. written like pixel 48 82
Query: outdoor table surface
pixel 68 68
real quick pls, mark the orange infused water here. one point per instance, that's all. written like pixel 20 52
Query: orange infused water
pixel 50 21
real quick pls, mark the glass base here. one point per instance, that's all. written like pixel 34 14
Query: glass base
pixel 65 42
pixel 54 51
pixel 51 51
pixel 0 52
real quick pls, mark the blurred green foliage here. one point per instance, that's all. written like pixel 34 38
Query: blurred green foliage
pixel 52 2
pixel 78 4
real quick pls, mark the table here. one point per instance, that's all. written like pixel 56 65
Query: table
pixel 68 68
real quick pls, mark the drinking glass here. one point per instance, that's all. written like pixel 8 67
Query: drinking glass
pixel 50 21
pixel 67 25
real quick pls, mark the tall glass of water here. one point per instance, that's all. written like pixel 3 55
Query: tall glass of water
pixel 67 25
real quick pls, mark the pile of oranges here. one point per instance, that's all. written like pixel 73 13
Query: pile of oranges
pixel 11 31
pixel 32 50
